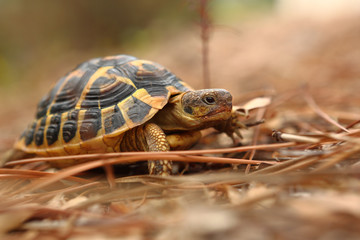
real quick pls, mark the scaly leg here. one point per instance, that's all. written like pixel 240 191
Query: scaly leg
pixel 156 142
pixel 184 140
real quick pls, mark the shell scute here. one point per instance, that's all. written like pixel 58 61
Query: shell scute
pixel 113 120
pixel 70 125
pixel 105 92
pixel 53 130
pixel 138 110
pixel 91 124
pixel 39 134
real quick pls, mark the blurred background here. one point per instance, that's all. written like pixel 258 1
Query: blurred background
pixel 254 45
pixel 49 36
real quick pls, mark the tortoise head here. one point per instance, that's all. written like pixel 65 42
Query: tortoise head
pixel 207 104
pixel 195 110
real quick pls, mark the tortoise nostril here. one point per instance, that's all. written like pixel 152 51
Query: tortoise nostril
pixel 229 98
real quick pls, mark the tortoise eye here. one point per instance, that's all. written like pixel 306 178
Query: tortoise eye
pixel 209 100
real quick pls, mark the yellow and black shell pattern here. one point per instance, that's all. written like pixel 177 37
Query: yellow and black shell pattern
pixel 90 108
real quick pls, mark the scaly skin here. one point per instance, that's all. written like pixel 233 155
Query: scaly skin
pixel 156 142
pixel 151 138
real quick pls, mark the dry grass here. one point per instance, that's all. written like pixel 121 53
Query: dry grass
pixel 307 187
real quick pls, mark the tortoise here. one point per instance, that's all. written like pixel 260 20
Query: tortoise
pixel 121 103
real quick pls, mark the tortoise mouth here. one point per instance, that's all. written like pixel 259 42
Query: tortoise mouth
pixel 225 109
pixel 220 113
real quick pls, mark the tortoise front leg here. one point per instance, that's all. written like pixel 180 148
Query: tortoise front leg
pixel 156 142
pixel 183 140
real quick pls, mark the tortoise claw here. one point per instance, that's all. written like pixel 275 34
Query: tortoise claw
pixel 238 133
pixel 232 126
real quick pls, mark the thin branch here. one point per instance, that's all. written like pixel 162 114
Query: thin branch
pixel 149 154
pixel 205 30
pixel 311 102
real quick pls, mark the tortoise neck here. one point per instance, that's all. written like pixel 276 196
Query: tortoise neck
pixel 173 118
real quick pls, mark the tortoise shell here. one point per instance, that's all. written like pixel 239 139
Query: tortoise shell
pixel 92 106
